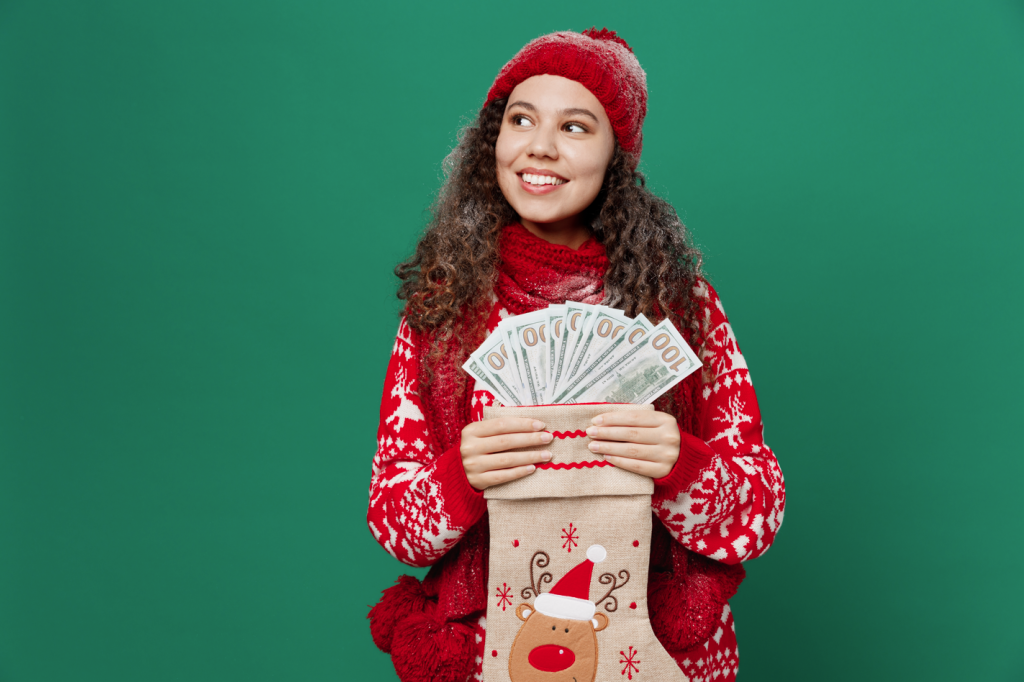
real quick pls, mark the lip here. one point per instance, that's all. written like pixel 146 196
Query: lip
pixel 538 171
pixel 543 189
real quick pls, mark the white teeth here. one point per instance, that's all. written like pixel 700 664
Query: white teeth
pixel 542 179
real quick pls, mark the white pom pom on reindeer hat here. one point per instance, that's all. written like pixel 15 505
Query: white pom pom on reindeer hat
pixel 570 597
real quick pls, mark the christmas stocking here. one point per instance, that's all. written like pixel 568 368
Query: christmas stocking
pixel 570 546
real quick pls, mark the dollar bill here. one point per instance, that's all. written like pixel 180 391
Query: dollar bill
pixel 654 364
pixel 486 380
pixel 604 326
pixel 493 358
pixel 576 317
pixel 627 339
pixel 556 327
pixel 505 328
pixel 531 347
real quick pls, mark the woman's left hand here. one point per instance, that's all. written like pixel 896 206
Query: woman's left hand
pixel 644 442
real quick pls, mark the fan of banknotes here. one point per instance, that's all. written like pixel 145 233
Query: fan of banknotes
pixel 580 353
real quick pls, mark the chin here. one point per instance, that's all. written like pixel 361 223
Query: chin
pixel 544 218
pixel 539 213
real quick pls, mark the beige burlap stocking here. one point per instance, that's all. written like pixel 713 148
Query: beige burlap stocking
pixel 570 548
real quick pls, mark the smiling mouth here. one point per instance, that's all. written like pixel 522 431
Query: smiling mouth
pixel 540 189
pixel 541 180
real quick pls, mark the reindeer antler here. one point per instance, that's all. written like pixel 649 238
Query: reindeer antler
pixel 544 577
pixel 610 579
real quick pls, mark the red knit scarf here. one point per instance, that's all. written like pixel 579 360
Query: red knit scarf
pixel 533 273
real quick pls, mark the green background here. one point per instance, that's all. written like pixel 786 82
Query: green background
pixel 200 207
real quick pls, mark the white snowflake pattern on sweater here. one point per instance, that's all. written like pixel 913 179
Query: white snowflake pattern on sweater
pixel 733 509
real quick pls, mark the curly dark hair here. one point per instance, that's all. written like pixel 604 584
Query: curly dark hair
pixel 653 264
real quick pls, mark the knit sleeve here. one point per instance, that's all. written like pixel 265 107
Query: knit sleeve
pixel 725 497
pixel 421 502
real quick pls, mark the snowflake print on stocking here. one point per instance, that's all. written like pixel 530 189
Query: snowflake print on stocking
pixel 632 663
pixel 504 596
pixel 570 538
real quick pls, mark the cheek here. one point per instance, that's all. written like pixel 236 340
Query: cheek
pixel 589 184
pixel 504 157
pixel 589 171
pixel 504 152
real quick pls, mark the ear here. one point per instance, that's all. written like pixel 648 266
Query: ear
pixel 599 621
pixel 524 611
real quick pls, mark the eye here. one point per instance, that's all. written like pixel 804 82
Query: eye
pixel 582 128
pixel 552 627
pixel 567 629
pixel 515 118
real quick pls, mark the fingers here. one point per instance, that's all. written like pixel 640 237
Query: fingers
pixel 638 466
pixel 643 418
pixel 506 460
pixel 493 427
pixel 504 442
pixel 632 434
pixel 499 476
pixel 650 453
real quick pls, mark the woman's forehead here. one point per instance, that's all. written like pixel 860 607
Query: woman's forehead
pixel 552 94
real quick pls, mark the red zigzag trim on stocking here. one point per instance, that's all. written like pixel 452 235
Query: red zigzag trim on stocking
pixel 572 465
pixel 569 434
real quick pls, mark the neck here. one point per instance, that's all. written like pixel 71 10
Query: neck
pixel 568 232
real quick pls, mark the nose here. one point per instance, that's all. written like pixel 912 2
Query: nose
pixel 551 658
pixel 543 143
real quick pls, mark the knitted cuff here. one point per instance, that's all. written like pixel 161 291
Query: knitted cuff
pixel 464 503
pixel 694 455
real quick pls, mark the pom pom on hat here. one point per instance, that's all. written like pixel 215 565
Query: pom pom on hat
pixel 596 553
pixel 600 60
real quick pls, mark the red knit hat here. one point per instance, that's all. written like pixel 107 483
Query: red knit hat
pixel 601 61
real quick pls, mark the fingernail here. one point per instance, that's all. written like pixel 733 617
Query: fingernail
pixel 591 430
pixel 532 468
pixel 537 426
pixel 546 437
pixel 598 419
pixel 545 455
pixel 594 447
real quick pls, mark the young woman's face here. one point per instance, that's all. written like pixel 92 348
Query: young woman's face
pixel 554 131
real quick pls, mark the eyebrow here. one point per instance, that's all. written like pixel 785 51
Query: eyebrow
pixel 561 112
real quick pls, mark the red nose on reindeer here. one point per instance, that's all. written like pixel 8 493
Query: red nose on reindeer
pixel 551 658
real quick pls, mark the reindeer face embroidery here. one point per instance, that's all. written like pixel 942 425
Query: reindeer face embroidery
pixel 555 649
pixel 557 641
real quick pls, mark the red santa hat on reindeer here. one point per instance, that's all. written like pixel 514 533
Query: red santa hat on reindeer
pixel 570 597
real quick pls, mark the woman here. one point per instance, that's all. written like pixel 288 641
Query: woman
pixel 543 204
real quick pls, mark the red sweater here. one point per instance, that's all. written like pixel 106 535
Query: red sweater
pixel 723 501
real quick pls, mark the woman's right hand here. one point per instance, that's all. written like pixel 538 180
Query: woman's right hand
pixel 485 444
